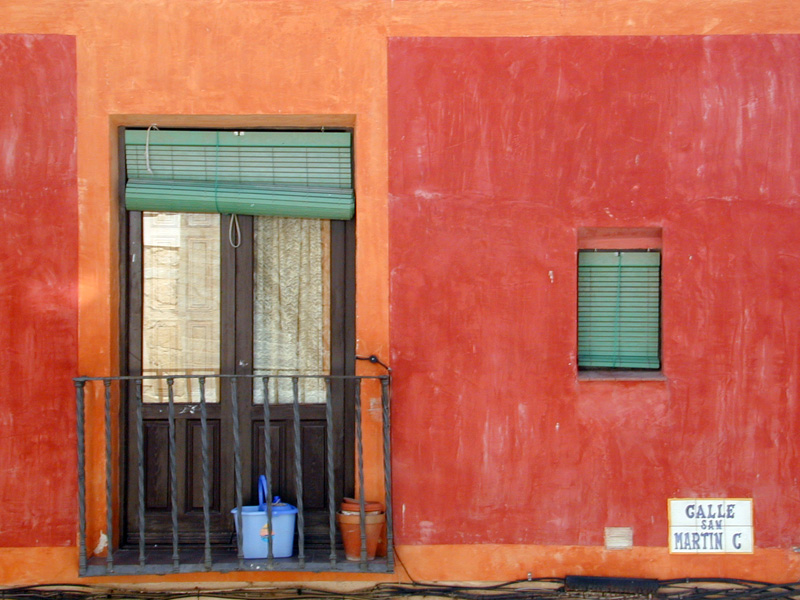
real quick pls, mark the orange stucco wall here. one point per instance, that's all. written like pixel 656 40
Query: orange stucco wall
pixel 290 62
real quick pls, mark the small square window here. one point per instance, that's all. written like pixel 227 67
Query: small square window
pixel 619 309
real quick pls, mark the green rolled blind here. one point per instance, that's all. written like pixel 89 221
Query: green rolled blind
pixel 277 173
pixel 619 309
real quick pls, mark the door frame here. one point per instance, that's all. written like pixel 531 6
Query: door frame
pixel 342 352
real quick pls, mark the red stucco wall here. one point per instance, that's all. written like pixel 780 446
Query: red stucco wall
pixel 38 290
pixel 500 149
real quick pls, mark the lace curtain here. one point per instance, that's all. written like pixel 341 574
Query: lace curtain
pixel 291 306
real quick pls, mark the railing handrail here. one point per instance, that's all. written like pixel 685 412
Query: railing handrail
pixel 85 378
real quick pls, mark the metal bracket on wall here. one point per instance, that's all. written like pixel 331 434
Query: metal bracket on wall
pixel 375 360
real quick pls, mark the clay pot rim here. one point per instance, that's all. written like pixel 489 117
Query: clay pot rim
pixel 351 504
pixel 356 513
pixel 370 519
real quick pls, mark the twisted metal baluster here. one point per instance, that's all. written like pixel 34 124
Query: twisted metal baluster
pixel 80 397
pixel 268 467
pixel 173 475
pixel 109 482
pixel 298 473
pixel 362 519
pixel 237 469
pixel 140 470
pixel 387 468
pixel 331 475
pixel 206 473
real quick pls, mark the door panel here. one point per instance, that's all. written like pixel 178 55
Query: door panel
pixel 194 467
pixel 156 466
pixel 313 447
pixel 189 472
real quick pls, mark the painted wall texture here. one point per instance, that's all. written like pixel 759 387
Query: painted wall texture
pixel 505 462
pixel 38 290
pixel 500 149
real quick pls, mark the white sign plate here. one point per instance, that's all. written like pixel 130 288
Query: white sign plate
pixel 710 526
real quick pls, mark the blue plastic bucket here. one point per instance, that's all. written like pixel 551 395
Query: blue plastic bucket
pixel 256 532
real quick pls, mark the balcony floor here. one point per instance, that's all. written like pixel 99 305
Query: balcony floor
pixel 159 562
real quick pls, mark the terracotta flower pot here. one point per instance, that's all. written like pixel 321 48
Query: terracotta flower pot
pixel 350 527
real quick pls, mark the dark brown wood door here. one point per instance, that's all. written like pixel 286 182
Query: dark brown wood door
pixel 188 488
pixel 189 471
pixel 195 305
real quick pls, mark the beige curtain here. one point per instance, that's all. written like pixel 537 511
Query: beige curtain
pixel 291 306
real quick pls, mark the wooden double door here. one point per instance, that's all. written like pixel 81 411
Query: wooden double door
pixel 210 295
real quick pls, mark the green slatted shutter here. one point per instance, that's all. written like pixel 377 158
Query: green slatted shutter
pixel 276 173
pixel 619 309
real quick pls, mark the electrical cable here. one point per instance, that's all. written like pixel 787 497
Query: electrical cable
pixel 522 589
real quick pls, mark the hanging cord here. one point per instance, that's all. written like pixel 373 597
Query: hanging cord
pixel 233 228
pixel 147 148
pixel 216 174
pixel 234 231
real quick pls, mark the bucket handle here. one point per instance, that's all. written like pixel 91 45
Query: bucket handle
pixel 262 492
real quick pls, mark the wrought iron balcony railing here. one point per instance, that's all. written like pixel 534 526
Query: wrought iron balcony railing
pixel 127 402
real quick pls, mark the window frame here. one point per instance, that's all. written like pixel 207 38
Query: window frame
pixel 625 240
